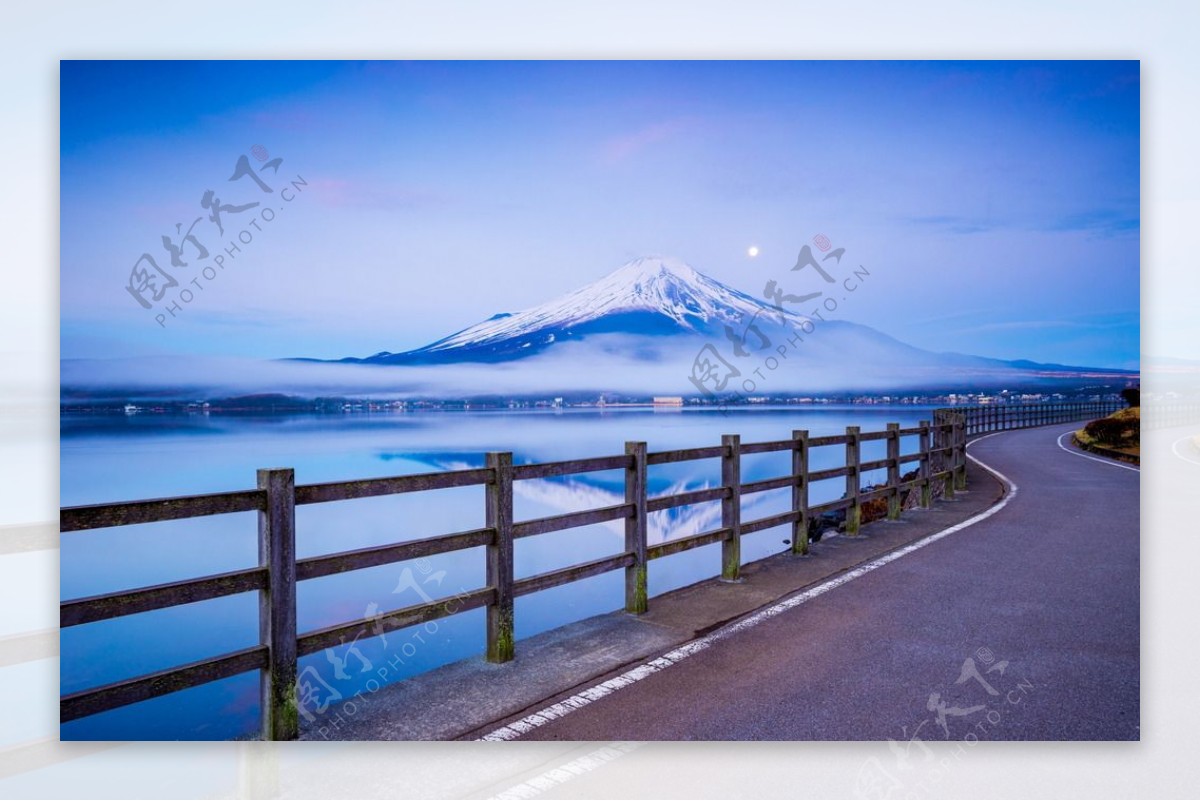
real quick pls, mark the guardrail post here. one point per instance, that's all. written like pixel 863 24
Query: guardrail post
pixel 277 605
pixel 800 491
pixel 499 514
pixel 635 529
pixel 853 482
pixel 923 467
pixel 731 507
pixel 960 455
pixel 946 442
pixel 893 470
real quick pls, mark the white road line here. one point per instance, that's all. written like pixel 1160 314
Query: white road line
pixel 1112 462
pixel 1175 450
pixel 565 707
pixel 546 780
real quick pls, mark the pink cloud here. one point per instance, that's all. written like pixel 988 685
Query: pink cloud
pixel 623 147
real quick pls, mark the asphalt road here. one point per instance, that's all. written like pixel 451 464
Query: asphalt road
pixel 1023 626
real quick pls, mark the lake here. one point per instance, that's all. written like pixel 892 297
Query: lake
pixel 108 458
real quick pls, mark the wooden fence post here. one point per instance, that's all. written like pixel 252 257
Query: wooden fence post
pixel 277 605
pixel 943 443
pixel 946 443
pixel 499 514
pixel 853 482
pixel 731 507
pixel 635 529
pixel 893 470
pixel 800 491
pixel 926 488
pixel 960 455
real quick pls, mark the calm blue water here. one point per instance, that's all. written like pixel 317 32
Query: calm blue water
pixel 112 458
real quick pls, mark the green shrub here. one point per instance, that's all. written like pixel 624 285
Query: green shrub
pixel 1112 431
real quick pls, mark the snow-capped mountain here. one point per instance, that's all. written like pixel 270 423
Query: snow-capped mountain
pixel 650 296
pixel 656 312
pixel 655 326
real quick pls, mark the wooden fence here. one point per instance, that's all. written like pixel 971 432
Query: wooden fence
pixel 1006 416
pixel 941 456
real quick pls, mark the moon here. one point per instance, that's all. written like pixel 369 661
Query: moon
pixel 752 251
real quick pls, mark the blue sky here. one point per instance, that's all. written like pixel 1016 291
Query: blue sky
pixel 996 204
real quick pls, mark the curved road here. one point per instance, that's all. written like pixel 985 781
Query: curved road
pixel 1022 626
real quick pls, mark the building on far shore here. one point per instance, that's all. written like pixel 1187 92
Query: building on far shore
pixel 668 400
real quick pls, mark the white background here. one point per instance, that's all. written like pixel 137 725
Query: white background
pixel 34 37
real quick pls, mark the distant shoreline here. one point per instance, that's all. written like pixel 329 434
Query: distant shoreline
pixel 282 405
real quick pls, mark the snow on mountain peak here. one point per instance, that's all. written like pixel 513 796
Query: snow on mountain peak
pixel 663 286
pixel 653 266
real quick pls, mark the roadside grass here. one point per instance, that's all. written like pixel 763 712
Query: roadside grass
pixel 1120 432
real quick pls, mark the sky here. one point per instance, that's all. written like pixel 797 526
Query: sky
pixel 994 204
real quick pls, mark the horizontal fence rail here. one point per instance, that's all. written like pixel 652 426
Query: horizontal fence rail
pixel 1007 416
pixel 940 468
